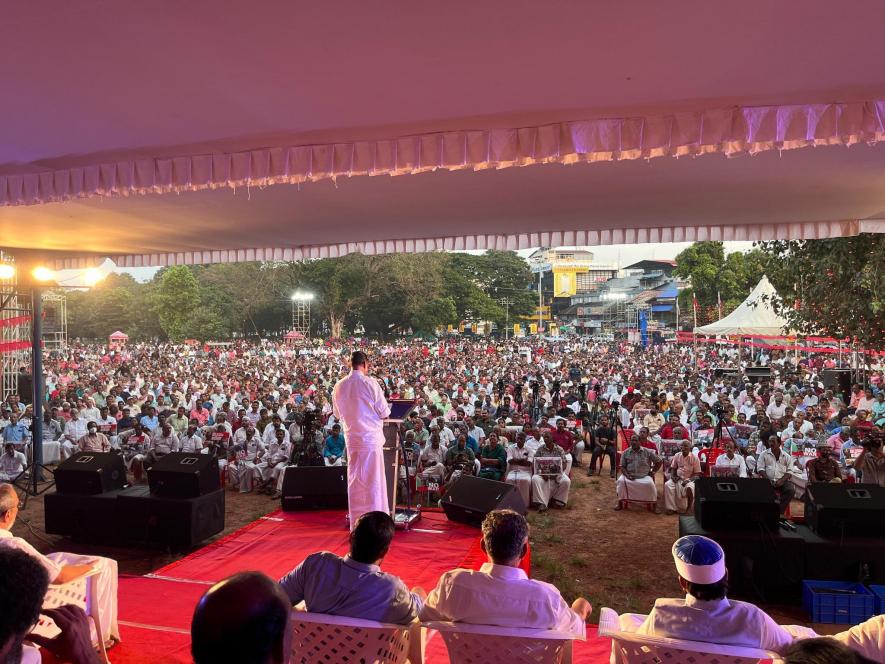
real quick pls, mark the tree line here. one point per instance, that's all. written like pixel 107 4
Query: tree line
pixel 383 295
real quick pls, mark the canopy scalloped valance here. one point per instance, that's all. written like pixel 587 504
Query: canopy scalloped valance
pixel 729 131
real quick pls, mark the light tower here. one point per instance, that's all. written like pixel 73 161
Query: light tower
pixel 301 312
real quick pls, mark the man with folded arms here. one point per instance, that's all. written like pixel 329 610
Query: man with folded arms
pixel 501 593
pixel 354 585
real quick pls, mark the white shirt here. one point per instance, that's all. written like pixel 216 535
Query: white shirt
pixel 191 443
pixel 866 639
pixel 722 461
pixel 7 539
pixel 503 596
pixel 772 468
pixel 75 429
pixel 723 621
pixel 12 465
pixel 359 403
pixel 774 411
pixel 514 452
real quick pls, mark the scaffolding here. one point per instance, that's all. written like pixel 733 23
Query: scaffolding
pixel 301 316
pixel 55 320
pixel 621 316
pixel 15 333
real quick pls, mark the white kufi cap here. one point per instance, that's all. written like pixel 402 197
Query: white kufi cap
pixel 699 559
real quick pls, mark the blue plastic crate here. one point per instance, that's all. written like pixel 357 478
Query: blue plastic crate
pixel 879 592
pixel 835 607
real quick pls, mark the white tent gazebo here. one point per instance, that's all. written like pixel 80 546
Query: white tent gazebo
pixel 755 316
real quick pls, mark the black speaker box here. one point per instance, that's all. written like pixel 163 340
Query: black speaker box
pixel 88 473
pixel 184 475
pixel 838 380
pixel 846 509
pixel 90 517
pixel 755 374
pixel 314 488
pixel 175 522
pixel 735 503
pixel 470 498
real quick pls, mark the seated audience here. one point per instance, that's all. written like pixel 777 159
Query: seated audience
pixel 550 489
pixel 492 459
pixel 431 462
pixel 685 468
pixel 732 460
pixel 64 567
pixel 12 463
pixel 824 468
pixel 501 593
pixel 636 482
pixel 354 585
pixel 871 462
pixel 244 618
pixel 777 467
pixel 333 450
pixel 605 445
pixel 706 614
pixel 519 467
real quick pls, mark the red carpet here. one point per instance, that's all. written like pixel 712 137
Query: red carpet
pixel 155 610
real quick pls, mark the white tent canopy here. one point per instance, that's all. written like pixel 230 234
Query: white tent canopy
pixel 216 130
pixel 754 316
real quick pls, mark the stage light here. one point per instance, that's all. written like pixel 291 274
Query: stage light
pixel 300 295
pixel 42 273
pixel 7 271
pixel 92 276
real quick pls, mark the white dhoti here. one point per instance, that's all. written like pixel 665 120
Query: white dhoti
pixel 366 483
pixel 435 473
pixel 240 474
pixel 545 489
pixel 279 473
pixel 577 451
pixel 66 449
pixel 642 490
pixel 106 602
pixel 676 495
pixel 338 462
pixel 522 480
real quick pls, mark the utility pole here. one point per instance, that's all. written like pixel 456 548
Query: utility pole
pixel 540 304
pixel 506 302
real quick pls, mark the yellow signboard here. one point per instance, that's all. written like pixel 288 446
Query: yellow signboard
pixel 565 281
pixel 516 328
pixel 533 328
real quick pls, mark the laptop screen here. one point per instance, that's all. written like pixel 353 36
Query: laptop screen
pixel 400 408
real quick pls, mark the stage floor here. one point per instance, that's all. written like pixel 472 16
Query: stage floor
pixel 155 610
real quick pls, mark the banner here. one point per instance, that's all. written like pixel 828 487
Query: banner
pixel 14 320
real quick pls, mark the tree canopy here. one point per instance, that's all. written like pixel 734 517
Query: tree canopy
pixel 386 294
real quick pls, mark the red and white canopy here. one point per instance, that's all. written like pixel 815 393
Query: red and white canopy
pixel 266 120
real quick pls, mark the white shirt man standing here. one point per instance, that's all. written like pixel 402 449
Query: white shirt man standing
pixel 359 403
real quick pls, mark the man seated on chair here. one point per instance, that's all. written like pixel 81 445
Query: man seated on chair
pixel 354 586
pixel 706 614
pixel 431 463
pixel 501 593
pixel 777 467
pixel 333 449
pixel 519 467
pixel 732 461
pixel 12 463
pixel 685 468
pixel 550 488
pixel 636 481
pixel 244 618
pixel 64 567
pixel 23 586
pixel 824 468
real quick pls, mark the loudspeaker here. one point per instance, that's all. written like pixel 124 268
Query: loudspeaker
pixel 755 374
pixel 178 522
pixel 184 475
pixel 470 498
pixel 846 509
pixel 838 380
pixel 735 503
pixel 725 372
pixel 314 488
pixel 87 473
pixel 82 517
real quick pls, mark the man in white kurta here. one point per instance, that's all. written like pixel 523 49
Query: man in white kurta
pixel 359 403
pixel 636 481
pixel 685 467
pixel 64 567
pixel 519 467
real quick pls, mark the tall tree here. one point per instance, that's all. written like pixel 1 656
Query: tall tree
pixel 176 299
pixel 831 287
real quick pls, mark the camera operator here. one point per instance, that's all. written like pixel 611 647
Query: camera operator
pixel 604 439
pixel 871 461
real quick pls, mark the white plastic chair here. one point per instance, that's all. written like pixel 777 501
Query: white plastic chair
pixel 82 592
pixel 488 644
pixel 322 638
pixel 631 648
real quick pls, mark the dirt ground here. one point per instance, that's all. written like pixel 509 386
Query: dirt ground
pixel 617 559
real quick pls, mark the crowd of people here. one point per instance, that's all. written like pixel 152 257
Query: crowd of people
pixel 528 413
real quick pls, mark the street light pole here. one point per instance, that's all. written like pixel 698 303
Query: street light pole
pixel 506 301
